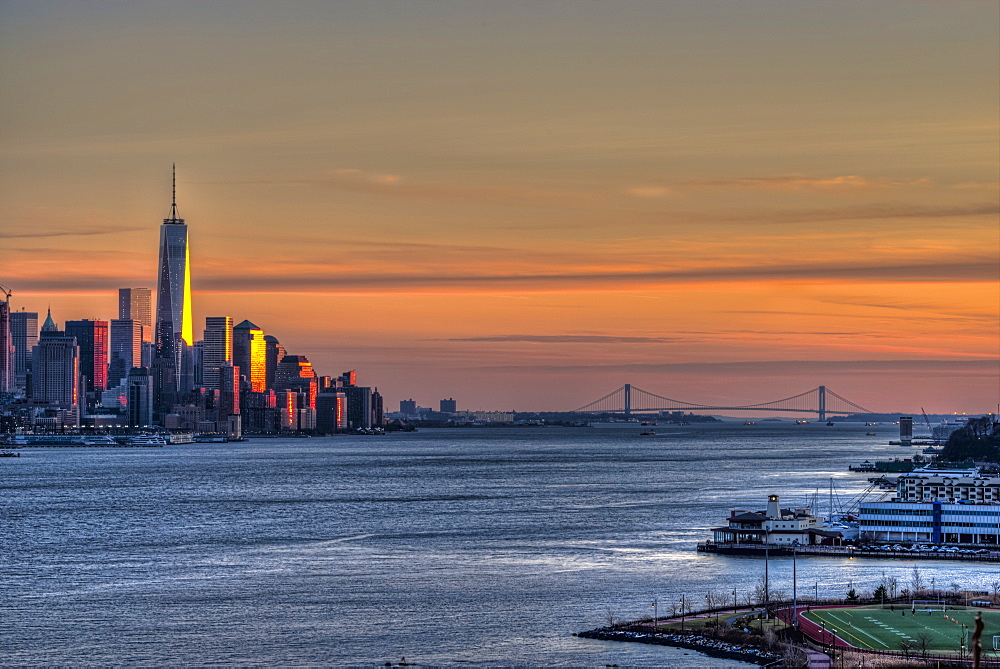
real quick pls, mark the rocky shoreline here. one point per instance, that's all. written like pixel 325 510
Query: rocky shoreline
pixel 696 642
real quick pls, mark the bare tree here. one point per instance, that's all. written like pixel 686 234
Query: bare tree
pixel 995 586
pixel 890 583
pixel 907 647
pixel 759 593
pixel 917 581
pixel 793 656
pixel 923 642
pixel 610 619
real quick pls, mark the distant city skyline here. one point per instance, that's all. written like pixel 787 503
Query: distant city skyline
pixel 526 206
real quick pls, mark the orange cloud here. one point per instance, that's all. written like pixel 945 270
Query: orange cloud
pixel 851 181
pixel 649 191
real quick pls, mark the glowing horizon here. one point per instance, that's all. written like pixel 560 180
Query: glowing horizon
pixel 525 207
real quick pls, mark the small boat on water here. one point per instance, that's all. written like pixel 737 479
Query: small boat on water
pixel 9 454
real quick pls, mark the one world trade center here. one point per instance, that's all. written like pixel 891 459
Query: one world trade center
pixel 173 365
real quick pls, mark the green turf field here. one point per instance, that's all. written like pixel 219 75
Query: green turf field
pixel 883 629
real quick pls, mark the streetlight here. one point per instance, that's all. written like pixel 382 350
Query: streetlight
pixel 656 615
pixel 767 587
pixel 795 595
pixel 682 614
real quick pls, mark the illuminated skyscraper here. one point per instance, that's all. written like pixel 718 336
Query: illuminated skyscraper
pixel 295 372
pixel 136 304
pixel 250 355
pixel 24 333
pixel 174 328
pixel 6 347
pixel 92 338
pixel 217 349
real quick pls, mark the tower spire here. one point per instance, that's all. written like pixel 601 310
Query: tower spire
pixel 174 218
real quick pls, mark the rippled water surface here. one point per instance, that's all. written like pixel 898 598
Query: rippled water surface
pixel 478 547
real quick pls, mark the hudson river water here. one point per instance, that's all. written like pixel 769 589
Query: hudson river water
pixel 449 547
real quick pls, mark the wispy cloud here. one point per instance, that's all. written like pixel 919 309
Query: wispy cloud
pixel 649 191
pixel 396 185
pixel 974 366
pixel 850 181
pixel 568 339
pixel 22 233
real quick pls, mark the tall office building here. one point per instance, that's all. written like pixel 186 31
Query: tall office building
pixel 331 411
pixel 55 376
pixel 140 396
pixel 174 330
pixel 6 347
pixel 250 355
pixel 24 334
pixel 273 354
pixel 229 390
pixel 217 349
pixel 126 349
pixel 92 338
pixel 359 407
pixel 295 372
pixel 136 304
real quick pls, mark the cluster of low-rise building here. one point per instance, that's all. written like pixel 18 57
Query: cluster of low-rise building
pixel 932 505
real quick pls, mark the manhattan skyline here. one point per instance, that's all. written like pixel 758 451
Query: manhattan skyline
pixel 526 205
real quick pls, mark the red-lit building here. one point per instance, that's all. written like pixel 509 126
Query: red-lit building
pixel 92 338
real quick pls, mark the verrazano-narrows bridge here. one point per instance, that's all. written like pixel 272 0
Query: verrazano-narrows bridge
pixel 629 399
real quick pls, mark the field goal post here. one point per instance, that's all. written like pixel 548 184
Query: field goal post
pixel 927 605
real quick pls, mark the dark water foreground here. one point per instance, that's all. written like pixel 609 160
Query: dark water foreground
pixel 451 547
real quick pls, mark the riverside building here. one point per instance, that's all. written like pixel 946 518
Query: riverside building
pixel 775 526
pixel 938 506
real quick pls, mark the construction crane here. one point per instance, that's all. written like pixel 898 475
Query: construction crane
pixel 927 422
pixel 5 291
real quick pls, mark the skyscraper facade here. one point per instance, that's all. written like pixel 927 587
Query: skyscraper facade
pixel 250 355
pixel 174 326
pixel 140 396
pixel 136 304
pixel 273 353
pixel 92 338
pixel 126 349
pixel 24 334
pixel 6 347
pixel 217 349
pixel 56 373
pixel 229 390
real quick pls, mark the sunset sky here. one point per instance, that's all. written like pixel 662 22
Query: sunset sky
pixel 524 205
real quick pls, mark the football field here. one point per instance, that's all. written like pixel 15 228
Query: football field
pixel 876 628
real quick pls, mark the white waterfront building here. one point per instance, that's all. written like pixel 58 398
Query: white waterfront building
pixel 939 506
